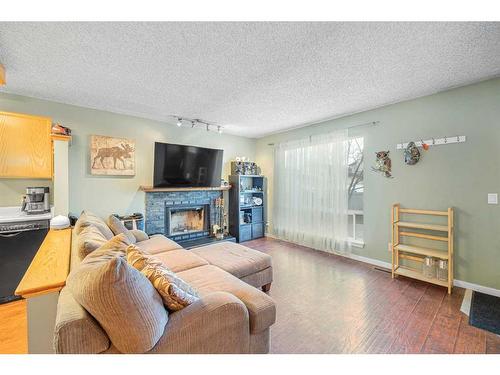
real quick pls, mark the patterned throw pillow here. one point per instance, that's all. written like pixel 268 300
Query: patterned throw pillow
pixel 174 291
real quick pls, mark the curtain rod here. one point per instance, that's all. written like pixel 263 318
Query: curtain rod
pixel 370 123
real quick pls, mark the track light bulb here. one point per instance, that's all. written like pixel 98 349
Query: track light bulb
pixel 219 130
pixel 179 121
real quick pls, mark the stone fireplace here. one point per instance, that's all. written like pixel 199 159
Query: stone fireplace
pixel 181 215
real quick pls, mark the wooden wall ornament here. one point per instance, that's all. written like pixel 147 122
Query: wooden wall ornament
pixel 383 163
pixel 111 156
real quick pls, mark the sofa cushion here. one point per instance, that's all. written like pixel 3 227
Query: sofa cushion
pixel 89 239
pixel 236 259
pixel 117 246
pixel 180 260
pixel 158 244
pixel 174 291
pixel 117 227
pixel 76 331
pixel 139 235
pixel 87 218
pixel 120 298
pixel 208 279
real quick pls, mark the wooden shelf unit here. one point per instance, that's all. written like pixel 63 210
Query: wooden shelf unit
pixel 417 253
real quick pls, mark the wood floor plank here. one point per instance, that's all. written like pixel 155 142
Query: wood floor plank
pixel 492 343
pixel 444 331
pixel 470 340
pixel 331 304
pixel 394 322
pixel 14 328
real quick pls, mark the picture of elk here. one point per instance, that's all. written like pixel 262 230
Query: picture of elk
pixel 122 152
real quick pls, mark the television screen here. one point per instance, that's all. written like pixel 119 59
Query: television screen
pixel 186 166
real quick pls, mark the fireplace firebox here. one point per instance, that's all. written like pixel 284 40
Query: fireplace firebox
pixel 187 221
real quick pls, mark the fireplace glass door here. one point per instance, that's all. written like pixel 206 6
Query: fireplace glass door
pixel 186 220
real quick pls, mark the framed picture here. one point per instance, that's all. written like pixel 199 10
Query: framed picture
pixel 111 156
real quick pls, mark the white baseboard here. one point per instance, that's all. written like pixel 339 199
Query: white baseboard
pixel 375 262
pixel 477 288
pixel 380 263
pixel 459 283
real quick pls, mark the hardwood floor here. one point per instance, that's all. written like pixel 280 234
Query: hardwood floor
pixel 13 328
pixel 331 304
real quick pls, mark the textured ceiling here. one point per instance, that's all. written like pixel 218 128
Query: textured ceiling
pixel 251 78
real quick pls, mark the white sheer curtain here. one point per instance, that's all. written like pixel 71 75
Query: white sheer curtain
pixel 310 191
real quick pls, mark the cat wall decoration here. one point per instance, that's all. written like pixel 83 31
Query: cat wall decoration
pixel 383 164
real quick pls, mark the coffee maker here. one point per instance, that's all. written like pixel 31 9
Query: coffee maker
pixel 36 201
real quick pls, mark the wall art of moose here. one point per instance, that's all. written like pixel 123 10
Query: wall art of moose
pixel 112 156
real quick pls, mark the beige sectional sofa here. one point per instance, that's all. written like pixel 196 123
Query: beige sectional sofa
pixel 233 314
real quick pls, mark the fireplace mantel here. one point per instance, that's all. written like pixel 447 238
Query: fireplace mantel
pixel 150 189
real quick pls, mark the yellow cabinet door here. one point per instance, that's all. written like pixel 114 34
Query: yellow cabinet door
pixel 25 146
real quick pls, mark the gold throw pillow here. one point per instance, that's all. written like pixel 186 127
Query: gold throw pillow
pixel 174 291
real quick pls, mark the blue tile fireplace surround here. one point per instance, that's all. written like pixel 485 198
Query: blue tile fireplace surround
pixel 162 206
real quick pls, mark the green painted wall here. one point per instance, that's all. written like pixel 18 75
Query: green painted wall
pixel 100 194
pixel 457 175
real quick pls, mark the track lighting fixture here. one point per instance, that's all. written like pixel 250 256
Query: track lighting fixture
pixel 181 120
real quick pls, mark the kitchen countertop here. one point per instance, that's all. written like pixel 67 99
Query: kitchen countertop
pixel 14 214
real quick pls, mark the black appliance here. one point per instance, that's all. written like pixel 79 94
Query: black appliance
pixel 19 242
pixel 186 166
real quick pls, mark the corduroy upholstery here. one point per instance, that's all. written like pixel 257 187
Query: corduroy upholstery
pixel 239 261
pixel 230 317
pixel 181 260
pixel 158 244
pixel 209 279
pixel 121 299
pixel 76 331
pixel 117 227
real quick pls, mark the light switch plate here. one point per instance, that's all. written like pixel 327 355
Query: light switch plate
pixel 492 198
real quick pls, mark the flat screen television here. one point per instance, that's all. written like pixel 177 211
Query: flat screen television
pixel 186 166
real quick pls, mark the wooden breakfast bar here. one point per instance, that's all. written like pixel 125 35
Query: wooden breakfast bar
pixel 40 287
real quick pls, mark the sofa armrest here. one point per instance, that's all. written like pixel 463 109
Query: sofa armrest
pixel 139 235
pixel 76 331
pixel 216 323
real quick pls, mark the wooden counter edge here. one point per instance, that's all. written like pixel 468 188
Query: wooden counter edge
pixel 49 268
pixel 60 137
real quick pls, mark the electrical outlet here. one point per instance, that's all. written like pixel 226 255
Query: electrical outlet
pixel 492 198
pixel 389 247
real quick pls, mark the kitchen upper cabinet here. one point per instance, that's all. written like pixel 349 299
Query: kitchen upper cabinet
pixel 25 146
